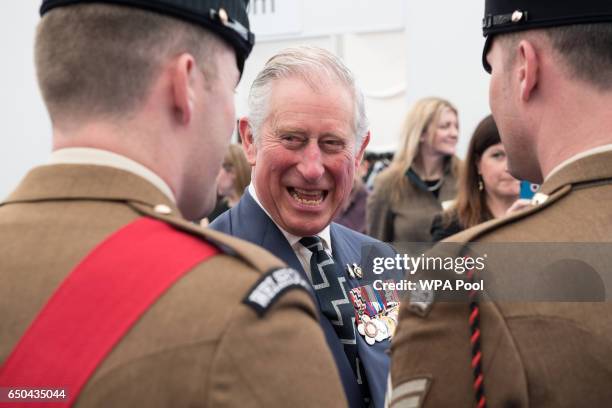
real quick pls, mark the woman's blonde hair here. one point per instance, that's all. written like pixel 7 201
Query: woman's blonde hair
pixel 418 120
pixel 236 158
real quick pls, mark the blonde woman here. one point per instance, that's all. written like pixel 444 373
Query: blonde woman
pixel 421 178
pixel 233 178
pixel 234 175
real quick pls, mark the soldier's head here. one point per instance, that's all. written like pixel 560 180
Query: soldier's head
pixel 151 80
pixel 538 53
pixel 305 137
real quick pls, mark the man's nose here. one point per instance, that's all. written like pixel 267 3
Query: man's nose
pixel 311 163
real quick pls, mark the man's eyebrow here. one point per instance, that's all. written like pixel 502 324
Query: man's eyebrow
pixel 332 134
pixel 290 129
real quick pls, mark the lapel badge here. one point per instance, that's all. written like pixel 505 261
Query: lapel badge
pixel 354 271
pixel 358 271
pixel 350 271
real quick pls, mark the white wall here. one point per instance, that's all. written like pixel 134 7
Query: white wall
pixel 444 42
pixel 25 127
pixel 400 50
pixel 369 35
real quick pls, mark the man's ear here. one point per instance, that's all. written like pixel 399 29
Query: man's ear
pixel 362 148
pixel 529 69
pixel 183 92
pixel 248 140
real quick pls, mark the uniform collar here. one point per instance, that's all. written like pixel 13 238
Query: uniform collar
pixel 325 234
pixel 87 182
pixel 589 166
pixel 586 153
pixel 86 155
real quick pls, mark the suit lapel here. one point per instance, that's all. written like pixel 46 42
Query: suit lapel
pixel 250 222
pixel 345 253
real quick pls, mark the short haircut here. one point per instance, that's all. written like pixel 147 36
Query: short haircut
pixel 309 64
pixel 584 49
pixel 587 50
pixel 97 60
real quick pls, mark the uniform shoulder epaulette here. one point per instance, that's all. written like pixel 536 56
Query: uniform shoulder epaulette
pixel 258 258
pixel 276 278
pixel 474 233
pixel 421 300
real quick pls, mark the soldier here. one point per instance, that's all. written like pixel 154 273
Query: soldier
pixel 109 297
pixel 550 92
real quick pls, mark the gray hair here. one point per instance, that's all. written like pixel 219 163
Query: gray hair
pixel 310 64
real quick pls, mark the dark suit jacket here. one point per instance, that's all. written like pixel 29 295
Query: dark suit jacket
pixel 248 221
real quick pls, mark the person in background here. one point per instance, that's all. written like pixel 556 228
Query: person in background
pixel 353 212
pixel 373 164
pixel 486 189
pixel 422 177
pixel 233 178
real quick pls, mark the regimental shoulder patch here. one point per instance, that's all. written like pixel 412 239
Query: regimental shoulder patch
pixel 271 286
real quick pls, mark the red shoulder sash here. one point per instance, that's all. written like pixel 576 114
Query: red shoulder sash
pixel 97 304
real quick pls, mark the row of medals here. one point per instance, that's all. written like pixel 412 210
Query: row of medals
pixel 379 327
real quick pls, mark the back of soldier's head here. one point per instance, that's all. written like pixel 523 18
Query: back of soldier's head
pixel 99 58
pixel 580 33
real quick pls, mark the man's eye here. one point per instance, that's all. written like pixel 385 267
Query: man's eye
pixel 332 145
pixel 292 141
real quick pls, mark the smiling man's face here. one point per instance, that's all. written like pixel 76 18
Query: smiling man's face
pixel 305 156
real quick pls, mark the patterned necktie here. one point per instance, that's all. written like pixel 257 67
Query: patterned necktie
pixel 331 290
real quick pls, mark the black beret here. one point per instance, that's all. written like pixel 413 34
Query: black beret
pixel 505 16
pixel 226 18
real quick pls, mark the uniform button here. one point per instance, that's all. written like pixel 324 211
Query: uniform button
pixel 517 16
pixel 539 198
pixel 162 209
pixel 223 16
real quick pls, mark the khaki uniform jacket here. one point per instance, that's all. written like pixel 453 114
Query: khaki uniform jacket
pixel 534 354
pixel 198 345
pixel 409 219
